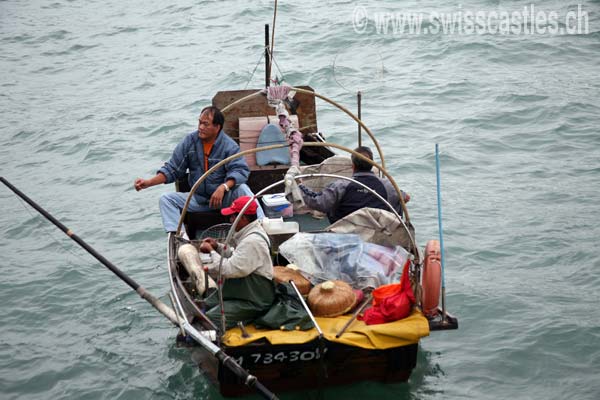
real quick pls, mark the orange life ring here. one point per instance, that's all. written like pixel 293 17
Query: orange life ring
pixel 432 279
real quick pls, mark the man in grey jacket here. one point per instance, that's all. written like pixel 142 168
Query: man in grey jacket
pixel 198 152
pixel 343 197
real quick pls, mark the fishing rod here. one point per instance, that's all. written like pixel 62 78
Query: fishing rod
pixel 250 380
pixel 439 206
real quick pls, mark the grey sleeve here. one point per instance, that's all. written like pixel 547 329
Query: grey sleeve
pixel 393 198
pixel 326 200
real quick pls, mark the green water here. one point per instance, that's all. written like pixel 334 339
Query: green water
pixel 94 94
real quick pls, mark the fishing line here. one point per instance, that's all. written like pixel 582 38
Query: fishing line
pixel 278 68
pixel 254 71
pixel 273 60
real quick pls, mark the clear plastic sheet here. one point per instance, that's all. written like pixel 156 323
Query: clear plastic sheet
pixel 330 256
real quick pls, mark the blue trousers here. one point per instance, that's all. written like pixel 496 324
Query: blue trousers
pixel 172 203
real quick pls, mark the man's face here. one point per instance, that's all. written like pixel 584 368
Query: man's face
pixel 206 130
pixel 242 222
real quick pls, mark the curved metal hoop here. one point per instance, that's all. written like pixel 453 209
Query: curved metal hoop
pixel 320 96
pixel 269 187
pixel 277 146
pixel 316 175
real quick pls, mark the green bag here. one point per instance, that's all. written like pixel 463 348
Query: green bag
pixel 286 313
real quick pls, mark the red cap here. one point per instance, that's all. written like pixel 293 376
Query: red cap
pixel 238 204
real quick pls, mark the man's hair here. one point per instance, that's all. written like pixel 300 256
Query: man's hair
pixel 217 116
pixel 359 164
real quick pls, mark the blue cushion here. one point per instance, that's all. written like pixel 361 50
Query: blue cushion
pixel 271 134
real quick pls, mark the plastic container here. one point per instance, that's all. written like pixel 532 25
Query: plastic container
pixel 279 230
pixel 276 205
pixel 277 226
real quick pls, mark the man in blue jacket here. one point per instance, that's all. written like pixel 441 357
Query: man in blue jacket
pixel 198 152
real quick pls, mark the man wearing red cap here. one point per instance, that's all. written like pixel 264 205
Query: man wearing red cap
pixel 248 291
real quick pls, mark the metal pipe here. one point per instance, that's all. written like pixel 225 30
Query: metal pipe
pixel 176 314
pixel 330 101
pixel 312 318
pixel 174 280
pixel 317 175
pixel 278 146
pixel 269 187
pixel 439 206
pixel 358 311
pixel 267 58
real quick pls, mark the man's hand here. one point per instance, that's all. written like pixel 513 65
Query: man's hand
pixel 216 200
pixel 208 245
pixel 211 241
pixel 140 184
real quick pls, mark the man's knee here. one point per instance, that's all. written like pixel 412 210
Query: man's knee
pixel 165 199
pixel 169 199
pixel 242 190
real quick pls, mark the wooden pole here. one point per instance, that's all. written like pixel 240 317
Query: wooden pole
pixel 249 380
pixel 359 100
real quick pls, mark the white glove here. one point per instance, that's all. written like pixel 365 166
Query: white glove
pixel 292 192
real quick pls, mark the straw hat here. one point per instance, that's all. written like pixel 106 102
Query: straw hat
pixel 291 273
pixel 331 298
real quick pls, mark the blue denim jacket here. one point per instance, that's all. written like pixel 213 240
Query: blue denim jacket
pixel 189 154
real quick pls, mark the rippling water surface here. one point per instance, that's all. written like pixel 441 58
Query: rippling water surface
pixel 94 94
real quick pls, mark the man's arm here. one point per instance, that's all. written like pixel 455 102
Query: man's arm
pixel 236 173
pixel 392 195
pixel 237 170
pixel 242 261
pixel 170 171
pixel 324 201
pixel 157 179
pixel 216 199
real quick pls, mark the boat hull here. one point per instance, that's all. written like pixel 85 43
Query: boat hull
pixel 313 365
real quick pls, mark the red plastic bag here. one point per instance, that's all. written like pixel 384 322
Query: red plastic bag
pixel 393 307
pixel 385 291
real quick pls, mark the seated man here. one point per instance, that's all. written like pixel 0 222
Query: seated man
pixel 248 291
pixel 343 197
pixel 199 151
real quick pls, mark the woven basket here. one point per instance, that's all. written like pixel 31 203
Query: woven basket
pixel 285 274
pixel 331 298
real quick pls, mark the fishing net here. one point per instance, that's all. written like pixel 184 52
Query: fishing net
pixel 217 232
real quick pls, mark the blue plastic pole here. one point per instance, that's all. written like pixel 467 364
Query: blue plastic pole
pixel 439 206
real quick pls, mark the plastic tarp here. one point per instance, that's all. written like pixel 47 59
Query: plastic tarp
pixel 375 226
pixel 335 256
pixel 376 337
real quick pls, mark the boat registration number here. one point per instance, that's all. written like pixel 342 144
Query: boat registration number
pixel 280 357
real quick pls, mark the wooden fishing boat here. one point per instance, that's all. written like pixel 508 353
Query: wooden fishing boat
pixel 299 360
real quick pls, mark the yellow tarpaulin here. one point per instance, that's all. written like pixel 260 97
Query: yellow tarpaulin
pixel 382 336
